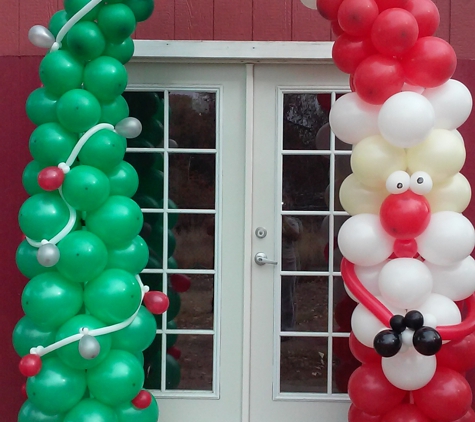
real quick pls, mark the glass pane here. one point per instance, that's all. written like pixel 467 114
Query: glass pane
pixel 192 180
pixel 344 364
pixel 192 119
pixel 339 220
pixel 343 307
pixel 303 365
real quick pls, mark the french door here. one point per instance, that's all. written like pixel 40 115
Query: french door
pixel 248 179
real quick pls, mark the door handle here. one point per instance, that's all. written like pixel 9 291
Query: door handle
pixel 261 259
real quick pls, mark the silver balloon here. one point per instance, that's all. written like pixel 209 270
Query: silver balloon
pixel 48 255
pixel 130 127
pixel 41 36
pixel 89 347
pixel 311 4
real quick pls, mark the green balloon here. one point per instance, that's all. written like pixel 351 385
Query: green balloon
pixel 74 6
pixel 85 41
pixel 172 264
pixel 153 131
pixel 43 216
pixel 105 77
pixel 90 410
pixel 137 336
pixel 30 413
pixel 155 240
pixel 51 144
pixel 27 334
pixel 49 300
pixel 146 201
pixel 83 256
pixel 27 261
pixel 117 379
pixel 57 21
pixel 142 9
pixel 70 354
pixel 41 107
pixel 104 150
pixel 123 179
pixel 159 162
pixel 113 296
pixel 57 388
pixel 156 345
pixel 117 222
pixel 78 110
pixel 30 178
pixel 174 307
pixel 122 52
pixel 143 105
pixel 60 72
pixel 86 188
pixel 127 412
pixel 133 258
pixel 151 183
pixel 154 373
pixel 117 22
pixel 140 358
pixel 115 111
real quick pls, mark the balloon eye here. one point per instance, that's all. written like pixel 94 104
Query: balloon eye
pixel 421 183
pixel 398 182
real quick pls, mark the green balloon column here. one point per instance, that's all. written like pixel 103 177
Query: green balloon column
pixel 88 315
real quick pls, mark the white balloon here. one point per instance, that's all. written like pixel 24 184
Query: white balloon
pixel 357 198
pixel 369 277
pixel 41 36
pixel 452 104
pixel 311 4
pixel 363 241
pixel 413 88
pixel 449 238
pixel 445 311
pixel 322 140
pixel 353 119
pixel 130 127
pixel 409 370
pixel 453 195
pixel 405 283
pixel 456 281
pixel 406 119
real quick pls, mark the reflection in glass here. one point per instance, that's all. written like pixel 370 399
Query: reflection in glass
pixel 303 365
pixel 344 364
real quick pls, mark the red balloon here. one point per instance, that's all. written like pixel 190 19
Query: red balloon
pixel 174 352
pixel 405 248
pixel 371 392
pixel 357 415
pixel 446 398
pixel 394 32
pixel 343 372
pixel 389 4
pixel 361 352
pixel 356 17
pixel 23 390
pixel 458 355
pixel 341 348
pixel 406 215
pixel 405 412
pixel 343 311
pixel 377 78
pixel 50 178
pixel 430 63
pixel 427 16
pixel 468 417
pixel 329 8
pixel 156 302
pixel 348 52
pixel 142 400
pixel 180 283
pixel 30 365
pixel 336 28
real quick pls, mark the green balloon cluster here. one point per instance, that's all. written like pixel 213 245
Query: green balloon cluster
pixel 91 283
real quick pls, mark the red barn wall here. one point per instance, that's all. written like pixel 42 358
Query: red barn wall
pixel 243 20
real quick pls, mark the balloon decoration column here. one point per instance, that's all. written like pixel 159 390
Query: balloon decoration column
pixel 407 245
pixel 84 329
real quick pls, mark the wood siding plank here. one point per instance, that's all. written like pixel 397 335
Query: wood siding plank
pixel 194 20
pixel 272 20
pixel 461 28
pixel 444 27
pixel 233 20
pixel 161 25
pixel 9 23
pixel 308 24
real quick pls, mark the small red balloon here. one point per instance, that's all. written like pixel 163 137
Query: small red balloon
pixel 389 4
pixel 348 52
pixel 427 16
pixel 336 29
pixel 30 365
pixel 50 178
pixel 446 398
pixel 343 372
pixel 156 302
pixel 377 78
pixel 458 355
pixel 405 248
pixel 174 352
pixel 329 8
pixel 394 32
pixel 180 283
pixel 356 17
pixel 405 216
pixel 405 412
pixel 357 415
pixel 142 400
pixel 430 63
pixel 361 352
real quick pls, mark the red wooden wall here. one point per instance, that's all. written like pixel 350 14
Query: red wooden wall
pixel 260 20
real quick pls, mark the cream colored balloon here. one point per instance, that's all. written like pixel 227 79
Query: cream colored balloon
pixel 374 159
pixel 442 155
pixel 357 198
pixel 453 195
pixel 311 4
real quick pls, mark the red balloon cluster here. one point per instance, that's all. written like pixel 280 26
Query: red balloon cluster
pixel 384 44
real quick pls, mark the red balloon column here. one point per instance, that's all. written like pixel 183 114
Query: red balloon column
pixel 406 246
pixel 84 329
